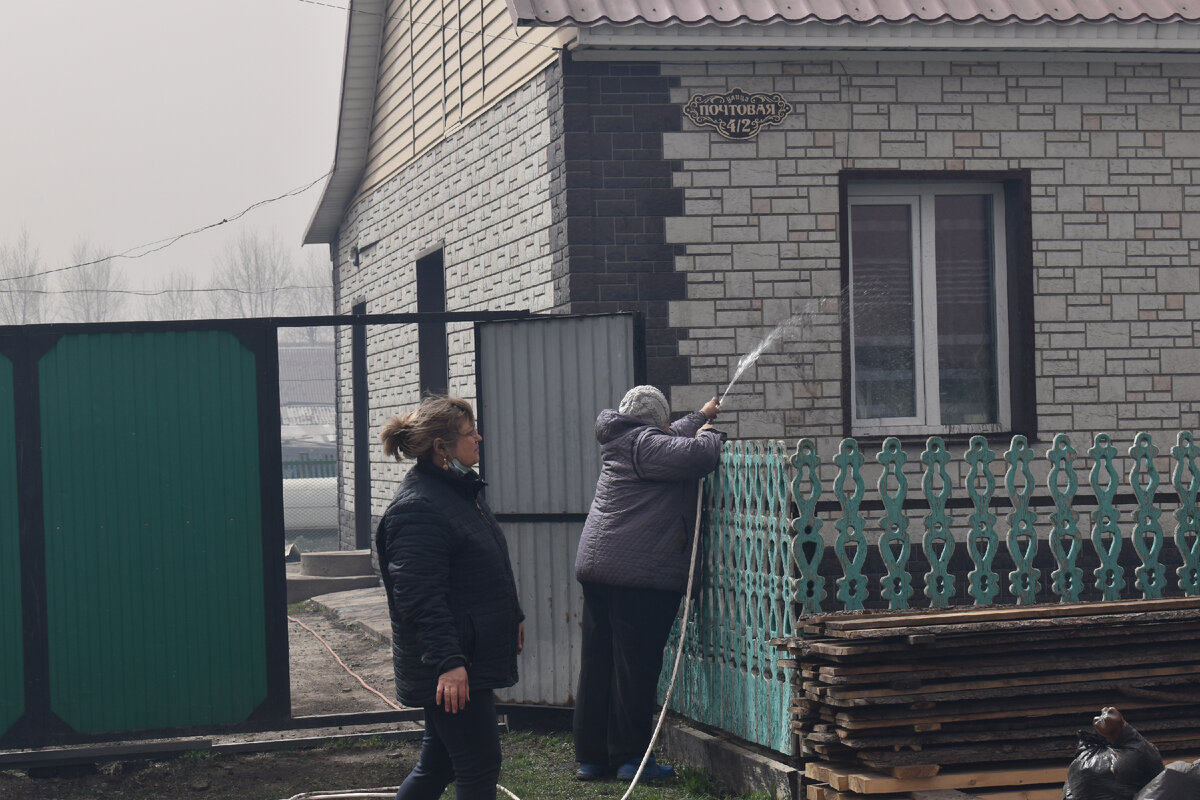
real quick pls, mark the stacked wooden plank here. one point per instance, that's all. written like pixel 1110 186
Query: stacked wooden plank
pixel 990 699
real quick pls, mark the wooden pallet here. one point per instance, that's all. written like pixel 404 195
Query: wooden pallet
pixel 910 696
pixel 871 783
pixel 819 792
pixel 829 782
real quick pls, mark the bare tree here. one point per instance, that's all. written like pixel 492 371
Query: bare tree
pixel 174 298
pixel 251 276
pixel 312 297
pixel 23 298
pixel 94 291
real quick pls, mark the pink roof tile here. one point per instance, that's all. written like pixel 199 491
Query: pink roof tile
pixel 695 12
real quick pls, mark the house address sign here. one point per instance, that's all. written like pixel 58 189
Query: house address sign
pixel 737 114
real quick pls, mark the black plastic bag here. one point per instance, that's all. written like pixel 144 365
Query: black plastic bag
pixel 1116 770
pixel 1179 781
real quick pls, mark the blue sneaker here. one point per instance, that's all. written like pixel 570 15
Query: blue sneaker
pixel 589 772
pixel 653 771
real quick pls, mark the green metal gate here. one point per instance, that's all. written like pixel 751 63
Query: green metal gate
pixel 140 530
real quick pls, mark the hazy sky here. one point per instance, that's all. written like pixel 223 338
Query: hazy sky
pixel 129 121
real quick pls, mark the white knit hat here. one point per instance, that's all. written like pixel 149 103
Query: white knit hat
pixel 647 404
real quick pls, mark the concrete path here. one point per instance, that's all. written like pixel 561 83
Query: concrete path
pixel 365 608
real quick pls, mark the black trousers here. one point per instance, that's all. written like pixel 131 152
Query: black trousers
pixel 462 747
pixel 624 631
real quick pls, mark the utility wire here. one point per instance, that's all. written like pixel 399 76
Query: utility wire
pixel 143 250
pixel 159 292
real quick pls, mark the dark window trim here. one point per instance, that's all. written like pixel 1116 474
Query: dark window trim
pixel 1018 205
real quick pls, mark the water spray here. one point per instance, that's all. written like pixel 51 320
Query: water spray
pixel 747 360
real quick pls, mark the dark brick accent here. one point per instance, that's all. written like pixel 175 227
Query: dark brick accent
pixel 611 190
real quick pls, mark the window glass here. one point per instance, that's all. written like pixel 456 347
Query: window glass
pixel 885 352
pixel 966 302
pixel 928 302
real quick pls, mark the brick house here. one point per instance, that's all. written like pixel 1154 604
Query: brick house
pixel 983 218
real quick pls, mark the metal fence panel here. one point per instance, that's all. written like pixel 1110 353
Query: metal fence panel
pixel 153 531
pixel 526 370
pixel 541 384
pixel 543 556
pixel 12 653
pixel 140 530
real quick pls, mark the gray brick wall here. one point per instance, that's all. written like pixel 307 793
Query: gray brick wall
pixel 1114 153
pixel 482 194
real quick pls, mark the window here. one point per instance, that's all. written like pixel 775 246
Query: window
pixel 929 291
pixel 432 352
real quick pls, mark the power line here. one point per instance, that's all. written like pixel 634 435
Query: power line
pixel 159 292
pixel 141 251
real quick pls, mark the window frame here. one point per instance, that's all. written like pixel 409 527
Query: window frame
pixel 1012 300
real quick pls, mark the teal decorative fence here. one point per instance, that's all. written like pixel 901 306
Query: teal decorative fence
pixel 773 550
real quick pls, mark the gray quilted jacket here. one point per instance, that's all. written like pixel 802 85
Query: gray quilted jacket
pixel 639 529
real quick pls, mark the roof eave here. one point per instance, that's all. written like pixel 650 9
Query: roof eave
pixel 768 41
pixel 360 76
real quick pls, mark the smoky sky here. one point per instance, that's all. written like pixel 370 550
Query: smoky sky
pixel 131 121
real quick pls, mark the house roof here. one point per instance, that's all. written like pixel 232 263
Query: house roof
pixel 859 12
pixel 360 75
pixel 614 27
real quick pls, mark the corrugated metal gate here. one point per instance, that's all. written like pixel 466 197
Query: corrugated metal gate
pixel 141 511
pixel 140 530
pixel 541 461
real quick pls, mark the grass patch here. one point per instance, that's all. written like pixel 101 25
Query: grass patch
pixel 359 743
pixel 541 766
pixel 301 607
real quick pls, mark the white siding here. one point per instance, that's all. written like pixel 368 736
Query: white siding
pixel 441 65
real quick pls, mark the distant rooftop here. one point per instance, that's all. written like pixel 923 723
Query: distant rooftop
pixel 306 375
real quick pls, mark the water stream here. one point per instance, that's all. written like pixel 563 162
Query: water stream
pixel 791 323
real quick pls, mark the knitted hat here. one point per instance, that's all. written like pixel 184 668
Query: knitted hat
pixel 647 404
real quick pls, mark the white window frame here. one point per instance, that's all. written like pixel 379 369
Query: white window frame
pixel 920 198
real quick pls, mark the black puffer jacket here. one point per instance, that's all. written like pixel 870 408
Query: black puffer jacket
pixel 450 586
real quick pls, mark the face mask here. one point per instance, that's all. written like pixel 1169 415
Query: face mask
pixel 458 468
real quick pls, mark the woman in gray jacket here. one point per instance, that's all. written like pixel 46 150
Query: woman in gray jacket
pixel 633 564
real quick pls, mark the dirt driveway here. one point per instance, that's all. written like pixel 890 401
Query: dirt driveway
pixel 320 685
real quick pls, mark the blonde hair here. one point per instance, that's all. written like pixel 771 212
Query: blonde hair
pixel 413 434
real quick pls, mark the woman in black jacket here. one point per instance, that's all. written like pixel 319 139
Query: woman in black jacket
pixel 457 626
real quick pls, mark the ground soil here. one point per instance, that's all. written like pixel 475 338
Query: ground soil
pixel 320 685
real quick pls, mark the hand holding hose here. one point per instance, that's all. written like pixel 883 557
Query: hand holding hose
pixel 711 409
